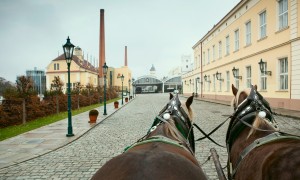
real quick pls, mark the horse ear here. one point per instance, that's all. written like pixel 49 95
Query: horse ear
pixel 234 90
pixel 171 96
pixel 255 87
pixel 189 101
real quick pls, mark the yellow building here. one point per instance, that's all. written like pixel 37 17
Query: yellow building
pixel 84 72
pixel 127 76
pixel 80 71
pixel 253 31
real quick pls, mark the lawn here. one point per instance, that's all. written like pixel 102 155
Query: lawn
pixel 12 131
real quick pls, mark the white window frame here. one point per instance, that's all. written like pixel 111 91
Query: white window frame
pixel 248 33
pixel 236 40
pixel 263 78
pixel 208 57
pixel 220 49
pixel 263 24
pixel 227 45
pixel 248 76
pixel 283 74
pixel 282 14
pixel 237 80
pixel 227 81
pixel 214 83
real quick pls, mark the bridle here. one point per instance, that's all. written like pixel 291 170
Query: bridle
pixel 174 111
pixel 244 115
pixel 183 127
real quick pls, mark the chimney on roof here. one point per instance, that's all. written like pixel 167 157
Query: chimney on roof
pixel 125 56
pixel 101 44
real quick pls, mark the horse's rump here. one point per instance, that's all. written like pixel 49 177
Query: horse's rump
pixel 152 161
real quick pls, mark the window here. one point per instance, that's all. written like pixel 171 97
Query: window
pixel 283 74
pixel 57 66
pixel 248 77
pixel 208 83
pixel 263 78
pixel 220 49
pixel 237 80
pixel 263 25
pixel 203 58
pixel 214 82
pixel 227 81
pixel 208 58
pixel 236 40
pixel 227 45
pixel 248 33
pixel 283 13
pixel 54 66
pixel 214 53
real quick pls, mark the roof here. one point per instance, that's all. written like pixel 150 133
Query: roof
pixel 83 64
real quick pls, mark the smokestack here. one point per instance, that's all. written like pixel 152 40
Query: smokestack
pixel 125 55
pixel 101 44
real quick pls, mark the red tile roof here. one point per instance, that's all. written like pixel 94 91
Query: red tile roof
pixel 85 64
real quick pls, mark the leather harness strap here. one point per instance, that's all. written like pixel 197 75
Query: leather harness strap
pixel 276 136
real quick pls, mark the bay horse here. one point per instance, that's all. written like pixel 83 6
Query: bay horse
pixel 165 152
pixel 256 148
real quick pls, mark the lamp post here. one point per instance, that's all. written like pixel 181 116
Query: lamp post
pixel 68 51
pixel 129 84
pixel 105 67
pixel 122 79
pixel 133 87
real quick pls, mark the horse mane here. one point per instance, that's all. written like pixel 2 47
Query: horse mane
pixel 169 130
pixel 258 123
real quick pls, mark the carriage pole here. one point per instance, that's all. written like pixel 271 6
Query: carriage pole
pixel 217 164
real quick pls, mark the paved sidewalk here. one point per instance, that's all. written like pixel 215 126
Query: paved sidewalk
pixel 48 138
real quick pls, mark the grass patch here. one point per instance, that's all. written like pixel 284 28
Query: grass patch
pixel 12 131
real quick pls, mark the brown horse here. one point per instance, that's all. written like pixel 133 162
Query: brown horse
pixel 166 152
pixel 256 147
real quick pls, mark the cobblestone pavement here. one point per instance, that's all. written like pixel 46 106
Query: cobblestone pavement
pixel 83 157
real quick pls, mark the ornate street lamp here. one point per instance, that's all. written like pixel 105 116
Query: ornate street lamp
pixel 122 79
pixel 129 84
pixel 206 80
pixel 263 66
pixel 105 67
pixel 218 76
pixel 235 73
pixel 68 51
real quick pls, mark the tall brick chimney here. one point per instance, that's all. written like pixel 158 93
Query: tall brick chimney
pixel 125 56
pixel 101 44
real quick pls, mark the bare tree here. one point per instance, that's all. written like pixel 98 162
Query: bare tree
pixel 25 89
pixel 57 86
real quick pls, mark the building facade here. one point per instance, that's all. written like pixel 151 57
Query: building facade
pixel 81 71
pixel 258 40
pixel 38 78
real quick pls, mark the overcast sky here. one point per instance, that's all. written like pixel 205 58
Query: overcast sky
pixel 157 32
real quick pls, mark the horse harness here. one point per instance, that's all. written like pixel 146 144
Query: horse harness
pixel 172 110
pixel 243 116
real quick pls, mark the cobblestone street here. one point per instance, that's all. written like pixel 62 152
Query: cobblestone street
pixel 83 157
